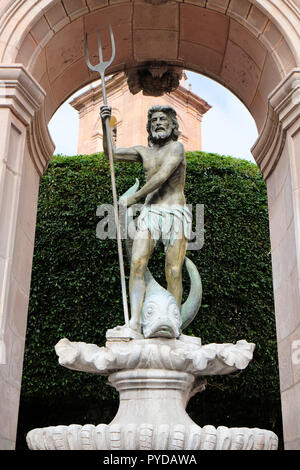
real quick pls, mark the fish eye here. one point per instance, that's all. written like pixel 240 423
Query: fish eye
pixel 150 310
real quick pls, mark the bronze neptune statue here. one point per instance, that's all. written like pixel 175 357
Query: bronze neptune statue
pixel 164 215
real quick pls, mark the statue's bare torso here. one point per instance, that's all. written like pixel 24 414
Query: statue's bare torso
pixel 171 191
pixel 158 167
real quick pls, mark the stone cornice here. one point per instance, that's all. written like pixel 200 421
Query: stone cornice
pixel 23 95
pixel 283 112
pixel 190 98
pixel 20 92
pixel 95 93
pixel 185 97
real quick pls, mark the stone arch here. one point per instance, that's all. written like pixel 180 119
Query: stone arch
pixel 249 46
pixel 246 27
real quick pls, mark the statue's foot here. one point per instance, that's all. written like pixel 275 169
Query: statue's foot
pixel 135 325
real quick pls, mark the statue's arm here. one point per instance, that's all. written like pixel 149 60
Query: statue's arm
pixel 130 154
pixel 173 160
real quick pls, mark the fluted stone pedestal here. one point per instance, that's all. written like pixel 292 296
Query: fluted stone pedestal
pixel 152 396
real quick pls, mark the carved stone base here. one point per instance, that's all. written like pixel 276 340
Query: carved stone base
pixel 150 437
pixel 151 416
pixel 155 379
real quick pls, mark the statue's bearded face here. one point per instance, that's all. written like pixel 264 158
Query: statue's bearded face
pixel 161 126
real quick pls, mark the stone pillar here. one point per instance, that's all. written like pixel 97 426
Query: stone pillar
pixel 21 140
pixel 277 152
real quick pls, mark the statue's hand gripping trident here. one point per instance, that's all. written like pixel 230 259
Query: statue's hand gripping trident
pixel 101 67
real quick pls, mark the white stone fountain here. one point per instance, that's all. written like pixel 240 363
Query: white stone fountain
pixel 155 378
pixel 155 374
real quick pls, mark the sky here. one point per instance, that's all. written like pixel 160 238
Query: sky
pixel 227 128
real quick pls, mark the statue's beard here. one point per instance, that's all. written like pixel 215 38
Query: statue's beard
pixel 160 137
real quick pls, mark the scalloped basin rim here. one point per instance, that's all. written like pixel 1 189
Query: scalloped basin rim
pixel 149 437
pixel 187 354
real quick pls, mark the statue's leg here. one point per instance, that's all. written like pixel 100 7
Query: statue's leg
pixel 142 249
pixel 174 260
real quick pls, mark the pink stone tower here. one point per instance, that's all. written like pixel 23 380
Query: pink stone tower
pixel 129 115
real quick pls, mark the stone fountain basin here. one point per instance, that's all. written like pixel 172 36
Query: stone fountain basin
pixel 155 379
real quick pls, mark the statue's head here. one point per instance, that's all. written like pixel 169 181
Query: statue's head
pixel 162 124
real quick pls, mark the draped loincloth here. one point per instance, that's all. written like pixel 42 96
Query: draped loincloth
pixel 168 224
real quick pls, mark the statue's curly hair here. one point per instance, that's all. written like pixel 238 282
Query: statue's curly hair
pixel 171 113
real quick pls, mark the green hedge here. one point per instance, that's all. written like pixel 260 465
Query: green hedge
pixel 76 293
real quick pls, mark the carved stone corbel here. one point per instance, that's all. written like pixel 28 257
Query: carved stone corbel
pixel 154 79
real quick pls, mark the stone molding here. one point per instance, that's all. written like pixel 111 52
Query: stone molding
pixel 40 144
pixel 283 112
pixel 23 95
pixel 20 92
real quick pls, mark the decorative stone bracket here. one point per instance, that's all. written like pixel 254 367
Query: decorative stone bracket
pixel 154 79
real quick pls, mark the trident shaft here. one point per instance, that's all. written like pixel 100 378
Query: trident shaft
pixel 101 68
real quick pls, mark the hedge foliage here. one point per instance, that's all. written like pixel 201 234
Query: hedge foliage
pixel 76 292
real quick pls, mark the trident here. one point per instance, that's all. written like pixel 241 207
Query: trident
pixel 101 68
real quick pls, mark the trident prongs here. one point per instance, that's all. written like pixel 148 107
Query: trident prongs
pixel 102 65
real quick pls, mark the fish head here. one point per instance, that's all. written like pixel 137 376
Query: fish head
pixel 161 316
